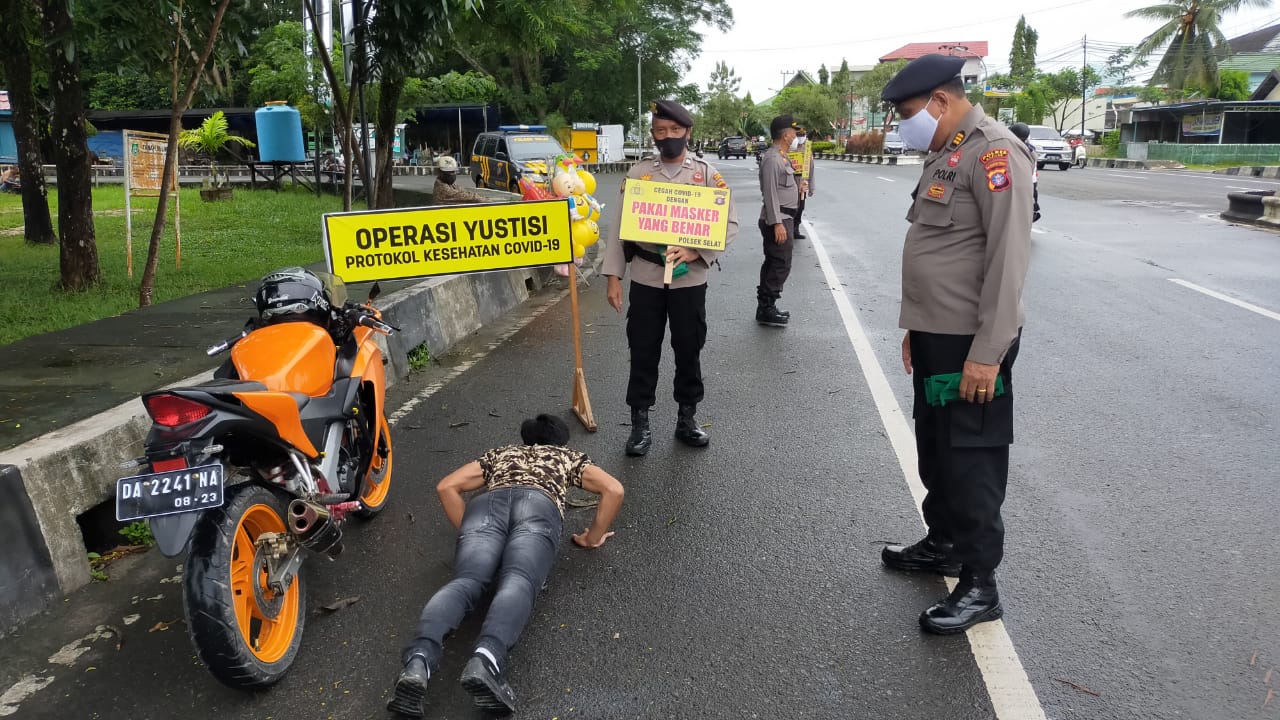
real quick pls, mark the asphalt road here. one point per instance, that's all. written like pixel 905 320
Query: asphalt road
pixel 1140 579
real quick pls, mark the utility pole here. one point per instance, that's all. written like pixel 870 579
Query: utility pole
pixel 1084 83
pixel 785 73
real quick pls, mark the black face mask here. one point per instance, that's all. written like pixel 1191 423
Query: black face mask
pixel 672 147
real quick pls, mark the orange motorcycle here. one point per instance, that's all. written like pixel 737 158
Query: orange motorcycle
pixel 262 464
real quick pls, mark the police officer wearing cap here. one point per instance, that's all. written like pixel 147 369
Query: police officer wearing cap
pixel 963 267
pixel 780 192
pixel 682 304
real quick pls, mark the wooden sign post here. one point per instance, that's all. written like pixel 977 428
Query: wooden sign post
pixel 143 169
pixel 581 400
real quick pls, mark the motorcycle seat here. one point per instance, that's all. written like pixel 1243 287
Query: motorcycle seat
pixel 228 386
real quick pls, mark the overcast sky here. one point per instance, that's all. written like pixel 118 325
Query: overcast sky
pixel 767 38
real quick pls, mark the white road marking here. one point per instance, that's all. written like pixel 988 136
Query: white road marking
pixel 852 172
pixel 1038 231
pixel 1011 693
pixel 885 179
pixel 466 365
pixel 1245 187
pixel 1131 177
pixel 1227 298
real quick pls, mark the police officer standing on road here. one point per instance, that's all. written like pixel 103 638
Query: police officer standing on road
pixel 780 189
pixel 653 304
pixel 963 267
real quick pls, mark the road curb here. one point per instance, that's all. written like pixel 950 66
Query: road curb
pixel 872 159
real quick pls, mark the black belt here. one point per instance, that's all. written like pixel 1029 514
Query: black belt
pixel 790 212
pixel 631 250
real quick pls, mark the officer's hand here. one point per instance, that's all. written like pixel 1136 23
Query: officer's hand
pixel 804 187
pixel 780 233
pixel 978 382
pixel 679 255
pixel 906 351
pixel 583 539
pixel 614 293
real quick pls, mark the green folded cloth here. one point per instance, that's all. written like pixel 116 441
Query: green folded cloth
pixel 942 389
pixel 681 269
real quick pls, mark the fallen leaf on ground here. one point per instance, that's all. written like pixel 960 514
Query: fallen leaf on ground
pixel 161 626
pixel 1079 687
pixel 458 425
pixel 340 604
pixel 494 414
pixel 1271 695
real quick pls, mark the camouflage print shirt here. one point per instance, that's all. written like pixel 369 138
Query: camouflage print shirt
pixel 549 468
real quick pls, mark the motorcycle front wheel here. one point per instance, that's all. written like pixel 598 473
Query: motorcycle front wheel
pixel 244 633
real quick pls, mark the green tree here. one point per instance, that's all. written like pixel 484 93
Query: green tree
pixel 1022 55
pixel 1233 85
pixel 278 70
pixel 811 105
pixel 209 139
pixel 16 60
pixel 722 110
pixel 871 85
pixel 1062 86
pixel 824 75
pixel 1191 37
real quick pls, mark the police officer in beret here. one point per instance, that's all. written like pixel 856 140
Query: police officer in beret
pixel 654 305
pixel 963 267
pixel 780 192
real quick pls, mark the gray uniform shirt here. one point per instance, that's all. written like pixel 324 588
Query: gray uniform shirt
pixel 966 254
pixel 779 185
pixel 693 171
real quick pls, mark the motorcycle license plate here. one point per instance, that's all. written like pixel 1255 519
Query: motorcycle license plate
pixel 167 493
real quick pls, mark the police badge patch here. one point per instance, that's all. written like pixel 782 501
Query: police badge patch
pixel 998 177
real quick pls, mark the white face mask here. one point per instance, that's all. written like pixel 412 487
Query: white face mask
pixel 797 143
pixel 918 130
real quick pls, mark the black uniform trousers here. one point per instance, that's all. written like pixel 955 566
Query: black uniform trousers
pixel 776 267
pixel 963 451
pixel 647 317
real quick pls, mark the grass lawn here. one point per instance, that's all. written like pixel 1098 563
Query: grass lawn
pixel 223 243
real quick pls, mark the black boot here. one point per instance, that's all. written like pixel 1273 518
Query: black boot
pixel 687 430
pixel 767 314
pixel 928 555
pixel 640 440
pixel 974 600
pixel 410 693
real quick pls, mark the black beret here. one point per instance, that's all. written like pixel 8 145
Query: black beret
pixel 782 122
pixel 921 77
pixel 673 111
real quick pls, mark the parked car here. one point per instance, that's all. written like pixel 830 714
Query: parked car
pixel 893 144
pixel 500 158
pixel 1050 147
pixel 733 147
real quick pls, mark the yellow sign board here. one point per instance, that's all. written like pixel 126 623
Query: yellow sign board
pixel 802 160
pixel 422 242
pixel 665 214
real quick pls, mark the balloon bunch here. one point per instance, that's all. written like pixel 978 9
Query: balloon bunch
pixel 579 187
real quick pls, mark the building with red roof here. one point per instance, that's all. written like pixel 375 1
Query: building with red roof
pixel 973 51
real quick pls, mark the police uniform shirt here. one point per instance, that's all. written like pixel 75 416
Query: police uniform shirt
pixel 692 171
pixel 967 250
pixel 779 185
pixel 442 193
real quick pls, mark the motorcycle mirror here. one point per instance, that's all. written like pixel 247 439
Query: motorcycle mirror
pixel 375 291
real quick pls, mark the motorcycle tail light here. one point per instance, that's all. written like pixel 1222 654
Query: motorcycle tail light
pixel 173 411
pixel 160 466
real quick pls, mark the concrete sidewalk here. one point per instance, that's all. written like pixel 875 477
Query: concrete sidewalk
pixel 69 400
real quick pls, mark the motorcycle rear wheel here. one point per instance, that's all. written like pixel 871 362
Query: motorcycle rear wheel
pixel 377 482
pixel 245 644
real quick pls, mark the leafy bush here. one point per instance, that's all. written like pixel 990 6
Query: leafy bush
pixel 138 533
pixel 1111 143
pixel 867 143
pixel 824 146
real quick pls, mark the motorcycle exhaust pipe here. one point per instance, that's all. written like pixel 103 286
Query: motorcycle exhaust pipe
pixel 314 527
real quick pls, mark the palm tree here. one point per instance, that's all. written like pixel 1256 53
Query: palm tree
pixel 209 139
pixel 1194 41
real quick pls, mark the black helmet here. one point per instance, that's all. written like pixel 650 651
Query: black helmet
pixel 294 294
pixel 1021 130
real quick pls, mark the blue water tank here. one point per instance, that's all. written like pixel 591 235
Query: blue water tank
pixel 279 134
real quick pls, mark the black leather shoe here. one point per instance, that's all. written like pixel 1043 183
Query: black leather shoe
pixel 770 315
pixel 487 686
pixel 925 556
pixel 801 237
pixel 411 689
pixel 687 430
pixel 974 600
pixel 641 438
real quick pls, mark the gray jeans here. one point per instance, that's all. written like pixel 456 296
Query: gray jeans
pixel 508 535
